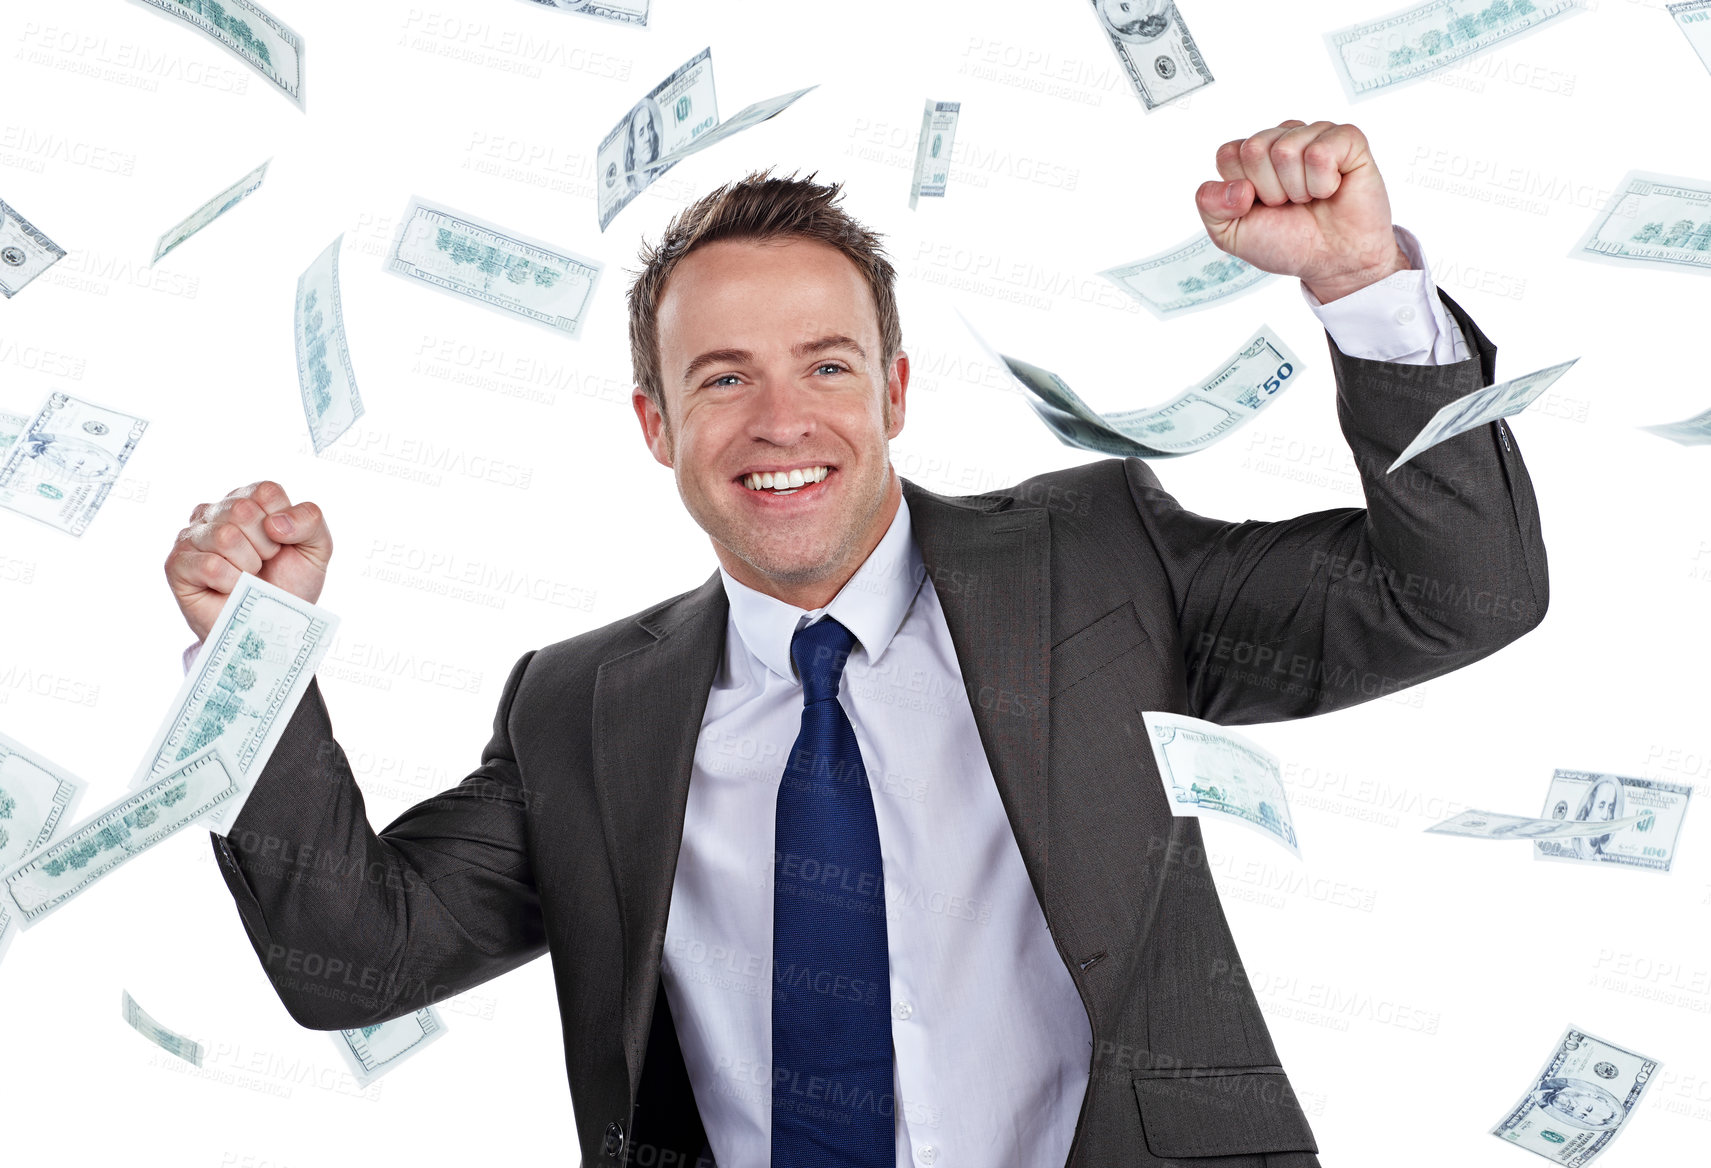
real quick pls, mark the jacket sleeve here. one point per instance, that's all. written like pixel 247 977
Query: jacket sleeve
pixel 354 927
pixel 1301 616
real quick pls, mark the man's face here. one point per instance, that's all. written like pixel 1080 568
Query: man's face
pixel 1603 802
pixel 770 361
pixel 643 137
pixel 1121 12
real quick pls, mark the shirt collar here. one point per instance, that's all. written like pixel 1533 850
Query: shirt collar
pixel 871 604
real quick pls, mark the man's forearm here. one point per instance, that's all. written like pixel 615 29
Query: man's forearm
pixel 353 926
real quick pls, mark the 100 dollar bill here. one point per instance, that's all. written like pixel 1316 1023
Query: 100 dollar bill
pixel 1494 825
pixel 630 12
pixel 325 378
pixel 36 800
pixel 25 252
pixel 1187 277
pixel 1579 1101
pixel 170 1041
pixel 503 270
pixel 371 1051
pixel 1694 431
pixel 1155 48
pixel 1641 819
pixel 933 150
pixel 66 460
pixel 1503 400
pixel 1410 43
pixel 1693 18
pixel 249 32
pixel 252 670
pixel 678 117
pixel 1209 770
pixel 36 797
pixel 632 155
pixel 1654 220
pixel 50 877
pixel 210 211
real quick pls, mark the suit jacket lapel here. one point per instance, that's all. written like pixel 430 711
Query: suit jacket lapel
pixel 648 705
pixel 991 568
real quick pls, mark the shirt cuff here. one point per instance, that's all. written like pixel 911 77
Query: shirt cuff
pixel 190 654
pixel 1399 318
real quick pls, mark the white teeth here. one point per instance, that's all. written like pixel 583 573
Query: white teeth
pixel 785 480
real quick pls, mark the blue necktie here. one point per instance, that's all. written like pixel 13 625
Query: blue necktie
pixel 832 1104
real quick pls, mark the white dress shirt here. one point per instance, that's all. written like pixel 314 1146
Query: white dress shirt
pixel 991 1041
pixel 1398 318
pixel 992 1045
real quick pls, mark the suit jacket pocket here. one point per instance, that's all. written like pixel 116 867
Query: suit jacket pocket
pixel 1091 648
pixel 1221 1111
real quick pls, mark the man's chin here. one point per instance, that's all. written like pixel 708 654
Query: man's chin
pixel 794 571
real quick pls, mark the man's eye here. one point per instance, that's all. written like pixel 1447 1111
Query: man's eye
pixel 832 365
pixel 726 378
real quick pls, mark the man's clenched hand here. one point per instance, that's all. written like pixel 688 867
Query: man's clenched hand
pixel 1307 201
pixel 254 529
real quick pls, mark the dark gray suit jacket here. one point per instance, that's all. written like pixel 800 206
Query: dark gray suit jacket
pixel 1075 600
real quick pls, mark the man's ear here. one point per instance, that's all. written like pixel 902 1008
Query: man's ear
pixel 896 390
pixel 656 427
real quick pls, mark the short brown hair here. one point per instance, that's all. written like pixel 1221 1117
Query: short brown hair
pixel 758 207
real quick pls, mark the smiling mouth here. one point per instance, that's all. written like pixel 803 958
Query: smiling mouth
pixel 784 482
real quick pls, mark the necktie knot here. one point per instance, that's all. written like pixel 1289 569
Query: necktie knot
pixel 820 651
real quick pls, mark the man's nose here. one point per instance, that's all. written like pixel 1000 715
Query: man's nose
pixel 780 412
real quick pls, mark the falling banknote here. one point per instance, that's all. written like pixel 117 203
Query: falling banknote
pixel 251 671
pixel 210 211
pixel 36 797
pixel 371 1051
pixel 1654 220
pixel 933 151
pixel 36 801
pixel 1497 826
pixel 631 12
pixel 65 460
pixel 324 373
pixel 1641 819
pixel 678 117
pixel 1579 1100
pixel 1388 51
pixel 1189 276
pixel 11 425
pixel 250 33
pixel 1502 400
pixel 50 877
pixel 170 1041
pixel 25 253
pixel 1208 770
pixel 504 270
pixel 1155 47
pixel 1694 431
pixel 1231 395
pixel 1694 20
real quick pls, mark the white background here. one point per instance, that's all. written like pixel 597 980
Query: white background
pixel 1413 983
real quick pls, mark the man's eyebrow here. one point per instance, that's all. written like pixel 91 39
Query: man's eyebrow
pixel 833 341
pixel 739 356
pixel 716 357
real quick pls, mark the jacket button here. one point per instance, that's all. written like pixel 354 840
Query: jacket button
pixel 614 1139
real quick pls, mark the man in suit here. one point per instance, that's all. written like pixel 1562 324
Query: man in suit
pixel 856 854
